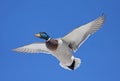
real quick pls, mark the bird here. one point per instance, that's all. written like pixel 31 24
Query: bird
pixel 63 48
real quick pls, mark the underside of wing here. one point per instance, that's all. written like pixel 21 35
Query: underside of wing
pixel 78 35
pixel 33 48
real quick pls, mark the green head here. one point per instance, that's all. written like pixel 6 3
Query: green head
pixel 42 35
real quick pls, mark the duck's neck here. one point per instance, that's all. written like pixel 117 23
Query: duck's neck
pixel 48 39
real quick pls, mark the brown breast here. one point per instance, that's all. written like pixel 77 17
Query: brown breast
pixel 52 44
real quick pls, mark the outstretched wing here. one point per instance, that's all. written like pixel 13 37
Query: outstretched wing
pixel 33 48
pixel 78 35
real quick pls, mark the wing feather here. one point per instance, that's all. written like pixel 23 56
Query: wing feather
pixel 80 34
pixel 33 48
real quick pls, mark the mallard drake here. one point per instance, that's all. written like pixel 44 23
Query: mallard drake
pixel 62 48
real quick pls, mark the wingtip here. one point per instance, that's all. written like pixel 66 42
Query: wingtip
pixel 103 16
pixel 14 50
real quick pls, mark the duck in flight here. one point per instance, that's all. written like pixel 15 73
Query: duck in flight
pixel 62 48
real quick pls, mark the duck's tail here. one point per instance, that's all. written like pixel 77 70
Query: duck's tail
pixel 75 64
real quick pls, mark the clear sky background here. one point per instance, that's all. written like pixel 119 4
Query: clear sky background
pixel 21 19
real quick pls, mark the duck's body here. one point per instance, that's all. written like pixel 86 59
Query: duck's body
pixel 63 48
pixel 64 54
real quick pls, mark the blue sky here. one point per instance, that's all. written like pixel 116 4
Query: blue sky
pixel 21 19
